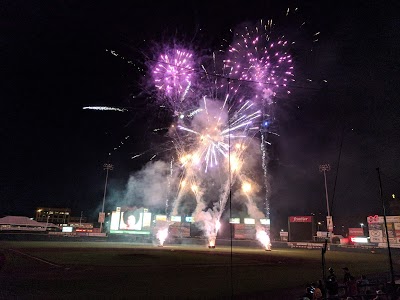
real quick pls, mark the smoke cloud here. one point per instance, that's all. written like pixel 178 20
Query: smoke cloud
pixel 148 186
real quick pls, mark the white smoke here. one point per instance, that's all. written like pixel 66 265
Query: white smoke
pixel 149 186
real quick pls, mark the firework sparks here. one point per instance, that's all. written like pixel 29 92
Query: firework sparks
pixel 217 226
pixel 263 67
pixel 215 118
pixel 105 108
pixel 264 239
pixel 255 57
pixel 211 242
pixel 162 235
pixel 213 133
pixel 254 212
pixel 174 72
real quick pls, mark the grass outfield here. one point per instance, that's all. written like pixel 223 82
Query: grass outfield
pixel 49 270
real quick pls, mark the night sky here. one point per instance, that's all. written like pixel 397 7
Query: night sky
pixel 55 61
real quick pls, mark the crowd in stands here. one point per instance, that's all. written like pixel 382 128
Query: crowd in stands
pixel 350 288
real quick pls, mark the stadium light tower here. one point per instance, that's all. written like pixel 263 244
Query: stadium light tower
pixel 326 168
pixel 107 167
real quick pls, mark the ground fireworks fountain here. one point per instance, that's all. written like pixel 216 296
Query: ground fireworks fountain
pixel 264 239
pixel 214 141
pixel 261 234
pixel 162 235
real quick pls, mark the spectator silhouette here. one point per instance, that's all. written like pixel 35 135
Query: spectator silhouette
pixel 363 285
pixel 350 282
pixel 332 286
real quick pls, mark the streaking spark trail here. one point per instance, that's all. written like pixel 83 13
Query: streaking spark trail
pixel 105 108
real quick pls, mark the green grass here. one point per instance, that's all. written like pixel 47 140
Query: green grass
pixel 120 269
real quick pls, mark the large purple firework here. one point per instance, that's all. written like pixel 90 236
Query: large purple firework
pixel 265 64
pixel 173 72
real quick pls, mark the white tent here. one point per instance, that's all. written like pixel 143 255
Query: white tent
pixel 23 223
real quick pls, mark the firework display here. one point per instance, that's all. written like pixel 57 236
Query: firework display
pixel 219 116
pixel 173 73
pixel 262 66
pixel 262 62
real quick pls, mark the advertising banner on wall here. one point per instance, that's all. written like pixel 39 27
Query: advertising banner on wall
pixel 300 219
pixel 301 228
pixel 357 231
pixel 329 223
pixel 244 231
pixel 377 230
pixel 284 235
pixel 102 217
pixel 179 230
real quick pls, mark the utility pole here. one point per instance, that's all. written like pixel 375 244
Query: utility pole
pixel 107 167
pixel 329 223
pixel 386 229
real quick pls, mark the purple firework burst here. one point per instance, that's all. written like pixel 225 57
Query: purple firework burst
pixel 173 72
pixel 255 57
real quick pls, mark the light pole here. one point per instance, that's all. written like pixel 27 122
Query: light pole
pixel 80 219
pixel 362 226
pixel 107 167
pixel 325 168
pixel 47 221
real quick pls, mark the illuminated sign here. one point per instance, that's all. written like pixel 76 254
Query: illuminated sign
pixel 265 221
pixel 131 220
pixel 189 219
pixel 115 216
pixel 380 219
pixel 67 229
pixel 234 220
pixel 146 219
pixel 373 219
pixel 176 218
pixel 363 240
pixel 300 219
pixel 161 218
pixel 356 231
pixel 249 221
pixel 102 216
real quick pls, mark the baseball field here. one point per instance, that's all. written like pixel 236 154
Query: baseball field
pixel 60 270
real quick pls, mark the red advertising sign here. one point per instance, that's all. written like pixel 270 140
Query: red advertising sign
pixel 356 231
pixel 300 219
pixel 373 219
